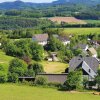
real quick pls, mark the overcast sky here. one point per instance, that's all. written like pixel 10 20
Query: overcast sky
pixel 37 1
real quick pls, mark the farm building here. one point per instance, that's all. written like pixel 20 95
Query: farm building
pixel 54 78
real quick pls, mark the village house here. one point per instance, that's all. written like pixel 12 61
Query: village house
pixel 92 52
pixel 83 47
pixel 89 66
pixel 64 40
pixel 42 39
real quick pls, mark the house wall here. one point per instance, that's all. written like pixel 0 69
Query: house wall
pixel 43 43
pixel 66 42
pixel 86 48
pixel 59 78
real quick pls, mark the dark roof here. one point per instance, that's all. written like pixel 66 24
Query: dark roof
pixel 81 46
pixel 77 62
pixel 40 37
pixel 63 38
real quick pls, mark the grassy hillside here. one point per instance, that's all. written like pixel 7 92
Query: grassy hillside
pixel 4 59
pixel 93 21
pixel 49 67
pixel 81 30
pixel 54 67
pixel 15 92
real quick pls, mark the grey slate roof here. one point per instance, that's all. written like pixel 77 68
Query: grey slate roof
pixel 81 46
pixel 63 38
pixel 40 37
pixel 77 62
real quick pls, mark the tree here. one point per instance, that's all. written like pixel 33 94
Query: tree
pixel 54 44
pixel 37 51
pixel 10 49
pixel 17 68
pixel 77 52
pixel 74 80
pixel 37 68
pixel 3 75
pixel 97 78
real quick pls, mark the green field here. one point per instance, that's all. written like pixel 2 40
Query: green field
pixel 15 92
pixel 4 59
pixel 93 21
pixel 54 67
pixel 81 30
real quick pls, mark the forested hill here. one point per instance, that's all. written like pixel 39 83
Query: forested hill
pixel 22 5
pixel 89 2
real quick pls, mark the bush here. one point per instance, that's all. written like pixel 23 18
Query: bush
pixel 74 80
pixel 18 66
pixel 3 75
pixel 38 68
pixel 54 84
pixel 12 77
pixel 41 81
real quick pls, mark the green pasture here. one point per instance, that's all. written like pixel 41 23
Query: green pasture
pixel 81 30
pixel 19 92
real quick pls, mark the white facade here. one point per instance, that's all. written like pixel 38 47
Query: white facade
pixel 43 43
pixel 86 48
pixel 66 42
pixel 88 69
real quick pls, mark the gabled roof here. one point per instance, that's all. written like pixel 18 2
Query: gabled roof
pixel 40 37
pixel 77 62
pixel 63 38
pixel 81 46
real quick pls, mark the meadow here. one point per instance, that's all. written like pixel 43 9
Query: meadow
pixel 22 92
pixel 81 30
pixel 4 59
pixel 93 21
pixel 54 67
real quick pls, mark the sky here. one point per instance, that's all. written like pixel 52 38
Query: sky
pixel 36 1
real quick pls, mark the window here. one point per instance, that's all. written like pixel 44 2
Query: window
pixel 89 70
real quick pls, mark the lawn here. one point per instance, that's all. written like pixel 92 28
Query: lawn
pixel 81 30
pixel 54 67
pixel 4 59
pixel 17 92
pixel 93 21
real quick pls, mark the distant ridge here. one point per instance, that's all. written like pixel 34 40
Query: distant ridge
pixel 21 5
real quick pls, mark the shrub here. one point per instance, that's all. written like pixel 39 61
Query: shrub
pixel 17 68
pixel 41 81
pixel 74 80
pixel 54 84
pixel 38 68
pixel 13 77
pixel 3 75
